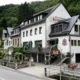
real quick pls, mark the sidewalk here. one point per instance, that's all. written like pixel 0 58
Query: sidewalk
pixel 37 70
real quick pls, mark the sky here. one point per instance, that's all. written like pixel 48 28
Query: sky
pixel 4 2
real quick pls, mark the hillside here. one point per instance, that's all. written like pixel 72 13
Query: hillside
pixel 11 12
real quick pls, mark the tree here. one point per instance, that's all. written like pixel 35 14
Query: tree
pixel 4 23
pixel 25 12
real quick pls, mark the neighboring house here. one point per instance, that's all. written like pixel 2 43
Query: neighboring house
pixel 67 32
pixel 15 36
pixel 36 30
pixel 7 37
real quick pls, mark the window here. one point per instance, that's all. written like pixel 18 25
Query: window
pixel 35 31
pixel 30 32
pixel 78 42
pixel 40 30
pixel 23 34
pixel 37 18
pixel 72 42
pixel 5 35
pixel 57 28
pixel 38 43
pixel 75 43
pixel 13 41
pixel 26 33
pixel 18 41
pixel 76 28
pixel 60 27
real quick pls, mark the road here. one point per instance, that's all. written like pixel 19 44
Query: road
pixel 9 74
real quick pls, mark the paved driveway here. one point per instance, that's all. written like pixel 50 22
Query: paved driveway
pixel 38 70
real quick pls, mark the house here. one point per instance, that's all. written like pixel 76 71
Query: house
pixel 15 36
pixel 36 30
pixel 6 37
pixel 67 32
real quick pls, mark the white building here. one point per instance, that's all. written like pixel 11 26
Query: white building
pixel 49 27
pixel 67 32
pixel 7 37
pixel 37 29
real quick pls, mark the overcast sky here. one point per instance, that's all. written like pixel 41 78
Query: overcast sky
pixel 4 2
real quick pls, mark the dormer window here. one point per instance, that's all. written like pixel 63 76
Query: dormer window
pixel 37 18
pixel 26 23
pixel 5 35
pixel 60 27
pixel 40 17
pixel 76 28
pixel 32 20
pixel 29 21
pixel 57 28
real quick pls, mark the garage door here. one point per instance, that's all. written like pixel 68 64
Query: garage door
pixel 78 58
pixel 41 58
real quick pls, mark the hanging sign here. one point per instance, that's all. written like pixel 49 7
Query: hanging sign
pixel 64 42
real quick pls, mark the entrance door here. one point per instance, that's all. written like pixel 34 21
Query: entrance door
pixel 78 58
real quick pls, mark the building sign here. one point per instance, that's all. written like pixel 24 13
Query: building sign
pixel 64 42
pixel 55 19
pixel 55 52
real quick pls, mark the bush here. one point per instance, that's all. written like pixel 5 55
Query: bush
pixel 1 44
pixel 18 50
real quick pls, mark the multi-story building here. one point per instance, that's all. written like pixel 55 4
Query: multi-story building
pixel 49 27
pixel 67 32
pixel 7 37
pixel 15 36
pixel 37 29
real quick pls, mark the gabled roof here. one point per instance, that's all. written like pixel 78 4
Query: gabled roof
pixel 48 11
pixel 70 23
pixel 8 31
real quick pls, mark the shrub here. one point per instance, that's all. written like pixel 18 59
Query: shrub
pixel 18 50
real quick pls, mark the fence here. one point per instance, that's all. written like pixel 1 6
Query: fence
pixel 62 74
pixel 14 64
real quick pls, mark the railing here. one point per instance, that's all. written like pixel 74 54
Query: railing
pixel 62 73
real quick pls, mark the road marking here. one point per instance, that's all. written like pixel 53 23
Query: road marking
pixel 2 78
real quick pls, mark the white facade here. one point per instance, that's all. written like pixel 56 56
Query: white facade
pixel 75 49
pixel 34 37
pixel 7 43
pixel 60 12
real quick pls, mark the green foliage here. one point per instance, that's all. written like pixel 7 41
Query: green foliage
pixel 4 23
pixel 18 50
pixel 25 12
pixel 1 44
pixel 9 13
pixel 13 15
pixel 18 54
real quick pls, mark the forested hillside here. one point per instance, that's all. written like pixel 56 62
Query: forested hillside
pixel 13 15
